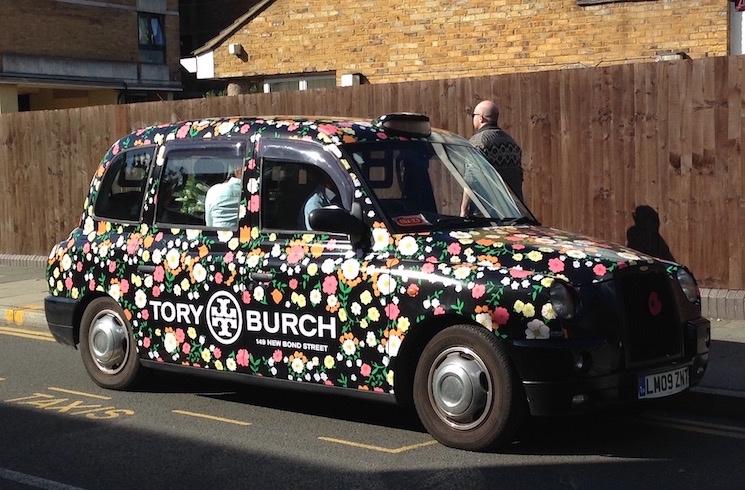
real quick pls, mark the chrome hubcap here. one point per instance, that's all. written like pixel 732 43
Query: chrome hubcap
pixel 108 342
pixel 460 388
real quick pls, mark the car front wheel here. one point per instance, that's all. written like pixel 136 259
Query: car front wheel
pixel 465 391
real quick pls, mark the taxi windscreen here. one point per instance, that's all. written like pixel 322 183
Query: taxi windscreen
pixel 423 184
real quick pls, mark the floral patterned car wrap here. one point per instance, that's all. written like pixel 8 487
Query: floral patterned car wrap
pixel 353 308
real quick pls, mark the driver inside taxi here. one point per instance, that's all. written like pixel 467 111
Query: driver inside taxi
pixel 324 194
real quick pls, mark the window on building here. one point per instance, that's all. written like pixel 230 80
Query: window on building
pixel 304 82
pixel 583 3
pixel 152 38
pixel 120 196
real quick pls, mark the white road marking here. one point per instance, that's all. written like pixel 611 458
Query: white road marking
pixel 34 481
pixel 695 426
pixel 719 391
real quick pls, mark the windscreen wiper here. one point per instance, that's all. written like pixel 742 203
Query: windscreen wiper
pixel 467 220
pixel 520 220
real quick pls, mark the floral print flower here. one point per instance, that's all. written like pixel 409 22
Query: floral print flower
pixel 547 312
pixel 407 246
pixel 140 299
pixel 328 362
pixel 485 319
pixel 242 358
pixel 170 343
pixel 350 269
pixel 381 238
pixel 349 347
pixel 556 265
pixel 199 272
pixel 537 330
pixel 386 284
pixel 173 258
pixel 329 285
pixel 394 343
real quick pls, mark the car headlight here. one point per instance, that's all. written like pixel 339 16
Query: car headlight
pixel 563 300
pixel 688 285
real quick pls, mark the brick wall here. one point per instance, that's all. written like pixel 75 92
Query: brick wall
pixel 389 41
pixel 51 28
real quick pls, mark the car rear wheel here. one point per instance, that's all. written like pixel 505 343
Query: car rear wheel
pixel 106 346
pixel 465 390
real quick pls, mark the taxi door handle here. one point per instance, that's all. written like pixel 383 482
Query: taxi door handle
pixel 261 276
pixel 147 269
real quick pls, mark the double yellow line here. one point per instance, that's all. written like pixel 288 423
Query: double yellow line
pixel 26 333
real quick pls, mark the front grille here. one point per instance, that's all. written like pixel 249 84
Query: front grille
pixel 651 319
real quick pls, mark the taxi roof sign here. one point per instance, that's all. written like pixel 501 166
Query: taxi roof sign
pixel 405 123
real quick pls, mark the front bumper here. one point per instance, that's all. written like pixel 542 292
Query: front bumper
pixel 578 395
pixel 559 389
pixel 60 314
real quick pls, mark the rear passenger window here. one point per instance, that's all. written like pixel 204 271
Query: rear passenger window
pixel 290 191
pixel 121 192
pixel 201 188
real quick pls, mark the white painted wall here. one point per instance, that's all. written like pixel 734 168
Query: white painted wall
pixel 206 65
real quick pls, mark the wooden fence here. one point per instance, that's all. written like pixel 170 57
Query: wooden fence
pixel 597 143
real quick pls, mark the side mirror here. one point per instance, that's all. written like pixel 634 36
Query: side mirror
pixel 333 219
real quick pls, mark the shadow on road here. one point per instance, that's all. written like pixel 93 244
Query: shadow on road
pixel 95 454
pixel 614 432
pixel 328 405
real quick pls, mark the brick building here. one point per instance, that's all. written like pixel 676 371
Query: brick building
pixel 58 54
pixel 284 44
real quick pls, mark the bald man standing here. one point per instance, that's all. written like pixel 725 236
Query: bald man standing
pixel 497 146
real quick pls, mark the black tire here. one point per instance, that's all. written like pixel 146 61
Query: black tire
pixel 129 370
pixel 503 411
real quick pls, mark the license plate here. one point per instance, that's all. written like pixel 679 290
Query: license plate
pixel 663 384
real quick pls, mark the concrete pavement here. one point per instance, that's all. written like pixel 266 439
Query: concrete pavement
pixel 23 288
pixel 22 292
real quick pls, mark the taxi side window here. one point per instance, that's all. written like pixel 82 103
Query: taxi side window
pixel 290 190
pixel 200 188
pixel 122 190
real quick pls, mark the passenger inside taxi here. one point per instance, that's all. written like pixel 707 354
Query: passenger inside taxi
pixel 222 202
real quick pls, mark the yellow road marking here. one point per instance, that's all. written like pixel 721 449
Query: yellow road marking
pixel 26 336
pixel 211 417
pixel 28 331
pixel 33 307
pixel 81 393
pixel 13 315
pixel 388 450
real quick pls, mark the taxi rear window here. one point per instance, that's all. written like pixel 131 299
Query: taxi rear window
pixel 122 190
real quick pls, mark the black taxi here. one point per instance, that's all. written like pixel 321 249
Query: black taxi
pixel 332 254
